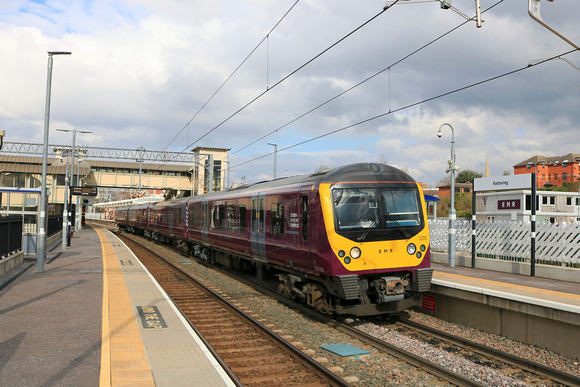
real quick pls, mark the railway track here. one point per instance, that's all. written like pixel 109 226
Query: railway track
pixel 484 355
pixel 253 354
pixel 535 373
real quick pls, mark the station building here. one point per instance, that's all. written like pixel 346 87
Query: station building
pixel 21 176
pixel 185 180
pixel 553 207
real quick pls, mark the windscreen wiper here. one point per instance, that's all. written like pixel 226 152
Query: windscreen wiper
pixel 364 234
pixel 392 218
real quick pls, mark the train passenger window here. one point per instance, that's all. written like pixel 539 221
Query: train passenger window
pixel 231 218
pixel 242 218
pixel 277 219
pixel 194 216
pixel 304 218
pixel 221 217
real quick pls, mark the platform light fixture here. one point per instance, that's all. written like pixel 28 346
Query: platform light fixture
pixel 452 168
pixel 41 250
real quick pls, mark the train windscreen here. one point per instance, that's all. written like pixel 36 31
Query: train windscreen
pixel 377 213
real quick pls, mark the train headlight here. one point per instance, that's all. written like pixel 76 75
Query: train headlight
pixel 355 252
pixel 411 249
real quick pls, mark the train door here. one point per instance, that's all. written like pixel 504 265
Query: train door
pixel 305 225
pixel 258 226
pixel 204 222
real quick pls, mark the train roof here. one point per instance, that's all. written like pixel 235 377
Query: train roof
pixel 352 173
pixel 360 172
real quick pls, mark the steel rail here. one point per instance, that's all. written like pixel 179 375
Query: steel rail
pixel 318 369
pixel 527 365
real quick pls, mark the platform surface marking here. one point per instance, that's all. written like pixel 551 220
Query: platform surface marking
pixel 123 357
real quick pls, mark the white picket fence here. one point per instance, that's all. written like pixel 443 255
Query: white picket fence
pixel 556 243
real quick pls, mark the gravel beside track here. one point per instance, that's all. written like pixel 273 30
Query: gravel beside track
pixel 376 369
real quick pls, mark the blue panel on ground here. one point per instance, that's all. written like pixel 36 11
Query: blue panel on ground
pixel 184 261
pixel 344 350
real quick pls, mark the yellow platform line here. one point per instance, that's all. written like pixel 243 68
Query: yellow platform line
pixel 123 357
pixel 505 285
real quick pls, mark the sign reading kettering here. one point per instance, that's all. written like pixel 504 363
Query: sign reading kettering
pixel 523 181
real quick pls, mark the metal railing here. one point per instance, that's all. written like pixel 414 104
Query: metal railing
pixel 10 234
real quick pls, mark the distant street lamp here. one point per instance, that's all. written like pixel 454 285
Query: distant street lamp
pixel 41 250
pixel 452 168
pixel 275 157
pixel 74 132
pixel 141 153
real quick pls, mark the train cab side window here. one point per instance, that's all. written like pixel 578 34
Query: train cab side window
pixel 277 219
pixel 242 218
pixel 304 218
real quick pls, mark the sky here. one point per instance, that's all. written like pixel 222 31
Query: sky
pixel 330 82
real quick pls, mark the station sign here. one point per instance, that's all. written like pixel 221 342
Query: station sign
pixel 501 183
pixel 84 191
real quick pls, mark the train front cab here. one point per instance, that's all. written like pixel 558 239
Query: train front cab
pixel 379 238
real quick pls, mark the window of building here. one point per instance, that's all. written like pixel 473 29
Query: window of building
pixel 564 176
pixel 552 200
pixel 172 173
pixel 569 201
pixel 544 200
pixel 564 164
pixel 124 170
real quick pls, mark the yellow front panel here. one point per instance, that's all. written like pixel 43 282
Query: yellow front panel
pixel 375 255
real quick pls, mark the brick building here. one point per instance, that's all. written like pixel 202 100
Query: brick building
pixel 551 171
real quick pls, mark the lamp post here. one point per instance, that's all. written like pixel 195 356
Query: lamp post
pixel 74 132
pixel 452 168
pixel 41 250
pixel 65 215
pixel 141 153
pixel 275 157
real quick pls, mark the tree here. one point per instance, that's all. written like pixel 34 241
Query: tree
pixel 467 176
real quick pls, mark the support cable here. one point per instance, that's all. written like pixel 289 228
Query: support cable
pixel 285 78
pixel 364 81
pixel 231 75
pixel 406 107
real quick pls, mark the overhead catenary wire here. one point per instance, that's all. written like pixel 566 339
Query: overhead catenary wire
pixel 406 107
pixel 265 38
pixel 363 81
pixel 285 78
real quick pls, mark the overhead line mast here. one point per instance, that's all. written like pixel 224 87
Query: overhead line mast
pixel 445 4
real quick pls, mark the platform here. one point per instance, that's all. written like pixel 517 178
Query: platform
pixel 96 317
pixel 539 311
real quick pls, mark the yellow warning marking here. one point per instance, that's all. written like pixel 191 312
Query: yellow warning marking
pixel 123 356
pixel 506 285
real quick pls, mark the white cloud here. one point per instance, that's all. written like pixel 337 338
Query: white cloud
pixel 141 69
